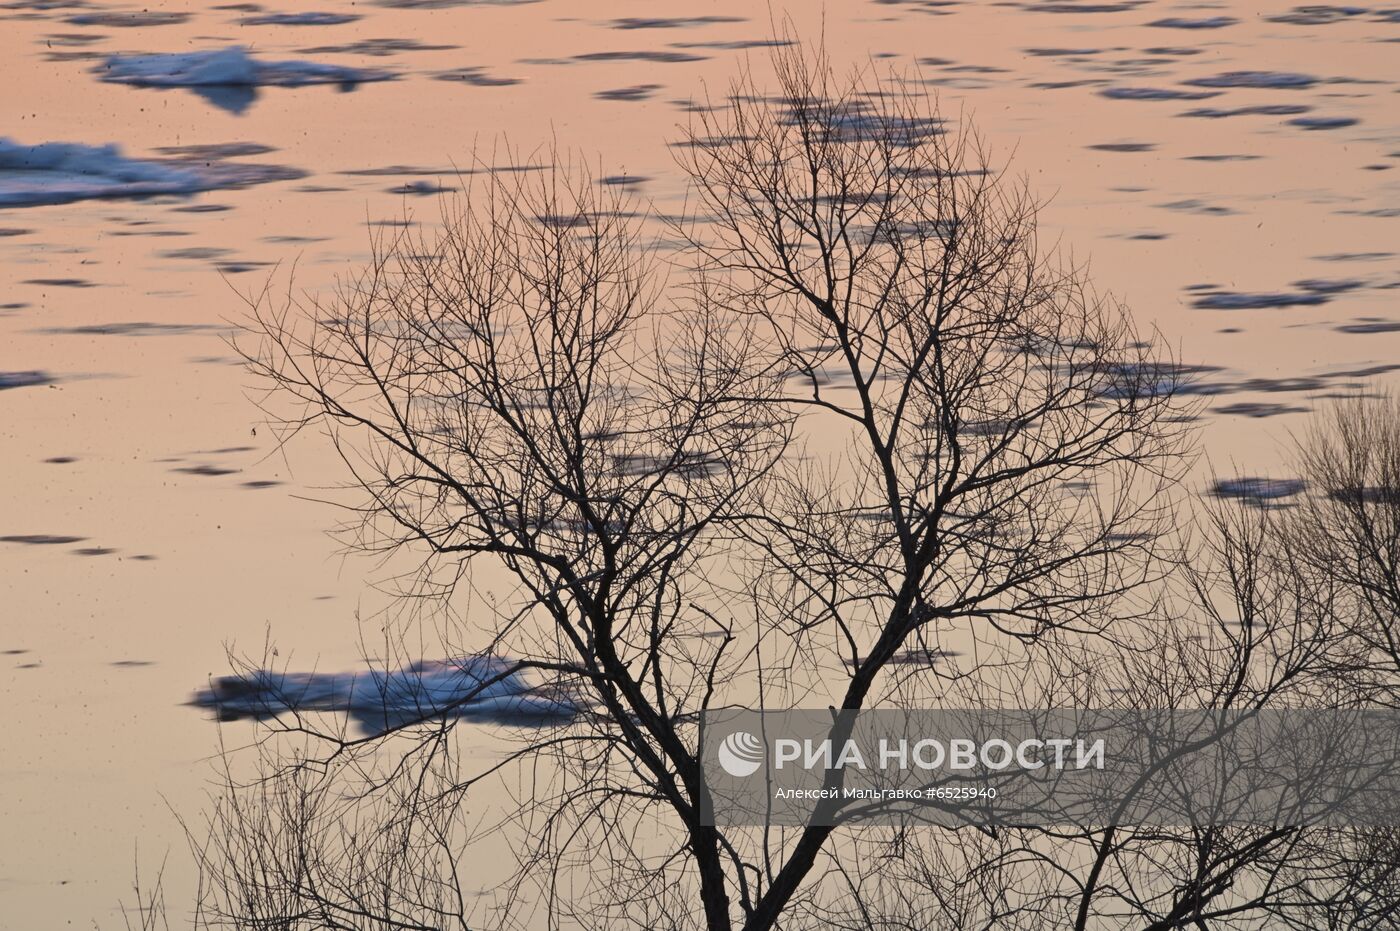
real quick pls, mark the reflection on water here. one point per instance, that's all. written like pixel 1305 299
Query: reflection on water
pixel 1231 175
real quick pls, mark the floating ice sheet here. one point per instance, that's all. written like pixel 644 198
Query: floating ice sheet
pixel 229 77
pixel 488 688
pixel 1284 80
pixel 29 379
pixel 1253 489
pixel 299 19
pixel 61 172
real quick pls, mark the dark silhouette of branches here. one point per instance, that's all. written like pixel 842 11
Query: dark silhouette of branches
pixel 1348 528
pixel 860 441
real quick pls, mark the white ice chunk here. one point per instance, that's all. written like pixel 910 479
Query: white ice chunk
pixel 60 172
pixel 481 687
pixel 227 67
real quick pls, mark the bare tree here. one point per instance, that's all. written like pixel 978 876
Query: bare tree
pixel 1245 627
pixel 1007 439
pixel 1348 526
pixel 858 440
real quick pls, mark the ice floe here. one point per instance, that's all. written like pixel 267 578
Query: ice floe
pixel 41 539
pixel 1132 380
pixel 674 22
pixel 475 76
pixel 228 77
pixel 299 19
pixel 1358 495
pixel 487 688
pixel 1323 122
pixel 24 379
pixel 1154 93
pixel 56 172
pixel 1319 15
pixel 1208 22
pixel 1370 327
pixel 134 328
pixel 422 188
pixel 133 19
pixel 633 93
pixel 1081 7
pixel 1330 285
pixel 1258 409
pixel 61 172
pixel 378 48
pixel 1258 490
pixel 445 4
pixel 1285 80
pixel 1237 300
pixel 1276 109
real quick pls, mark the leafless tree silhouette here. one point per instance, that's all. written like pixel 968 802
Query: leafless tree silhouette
pixel 1348 529
pixel 847 435
pixel 1249 628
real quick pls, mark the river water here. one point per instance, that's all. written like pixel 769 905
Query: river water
pixel 1228 169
